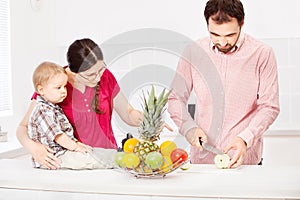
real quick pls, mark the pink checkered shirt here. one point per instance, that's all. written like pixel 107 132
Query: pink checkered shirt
pixel 236 95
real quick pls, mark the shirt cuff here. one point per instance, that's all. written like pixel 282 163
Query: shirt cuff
pixel 186 126
pixel 248 137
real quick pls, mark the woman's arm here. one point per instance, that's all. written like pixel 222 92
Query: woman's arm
pixel 127 113
pixel 41 153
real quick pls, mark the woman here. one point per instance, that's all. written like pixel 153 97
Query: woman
pixel 93 93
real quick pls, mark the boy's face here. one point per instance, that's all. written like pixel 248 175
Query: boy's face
pixel 54 90
pixel 224 36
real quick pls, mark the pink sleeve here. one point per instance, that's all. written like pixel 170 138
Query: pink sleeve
pixel 177 102
pixel 113 84
pixel 267 102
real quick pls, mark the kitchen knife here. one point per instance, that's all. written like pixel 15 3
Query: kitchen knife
pixel 210 148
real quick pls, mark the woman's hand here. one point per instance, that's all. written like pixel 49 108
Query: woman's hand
pixel 136 117
pixel 40 153
pixel 45 156
pixel 128 114
pixel 168 127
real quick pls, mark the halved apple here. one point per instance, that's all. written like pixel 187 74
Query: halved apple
pixel 222 161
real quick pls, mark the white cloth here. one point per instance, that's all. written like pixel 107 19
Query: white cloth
pixel 96 158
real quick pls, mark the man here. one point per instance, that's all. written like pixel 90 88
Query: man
pixel 234 79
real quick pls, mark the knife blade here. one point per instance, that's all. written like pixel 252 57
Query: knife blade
pixel 210 148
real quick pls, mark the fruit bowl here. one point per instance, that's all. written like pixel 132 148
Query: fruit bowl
pixel 144 159
pixel 160 173
pixel 141 155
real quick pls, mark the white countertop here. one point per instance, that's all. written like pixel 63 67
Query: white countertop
pixel 200 181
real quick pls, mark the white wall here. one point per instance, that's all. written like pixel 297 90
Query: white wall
pixel 32 41
pixel 45 34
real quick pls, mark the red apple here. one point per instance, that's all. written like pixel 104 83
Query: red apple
pixel 179 155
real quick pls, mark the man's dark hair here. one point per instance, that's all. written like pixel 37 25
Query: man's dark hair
pixel 221 11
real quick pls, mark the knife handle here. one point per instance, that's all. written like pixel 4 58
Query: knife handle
pixel 200 141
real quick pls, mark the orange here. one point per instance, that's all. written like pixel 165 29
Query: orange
pixel 130 144
pixel 167 147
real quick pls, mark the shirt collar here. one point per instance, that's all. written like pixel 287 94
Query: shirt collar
pixel 237 46
pixel 40 99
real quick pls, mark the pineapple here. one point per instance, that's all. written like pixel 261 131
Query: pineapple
pixel 152 125
pixel 144 147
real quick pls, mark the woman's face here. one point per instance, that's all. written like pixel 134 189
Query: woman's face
pixel 93 75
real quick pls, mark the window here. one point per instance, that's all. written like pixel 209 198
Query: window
pixel 5 66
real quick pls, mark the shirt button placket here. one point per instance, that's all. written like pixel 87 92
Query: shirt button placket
pixel 87 105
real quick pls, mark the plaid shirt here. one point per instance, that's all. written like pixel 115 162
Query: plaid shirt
pixel 46 121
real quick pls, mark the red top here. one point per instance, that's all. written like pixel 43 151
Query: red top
pixel 89 127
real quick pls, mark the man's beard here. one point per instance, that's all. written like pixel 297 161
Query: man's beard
pixel 225 50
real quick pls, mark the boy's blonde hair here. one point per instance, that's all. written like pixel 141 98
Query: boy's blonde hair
pixel 44 72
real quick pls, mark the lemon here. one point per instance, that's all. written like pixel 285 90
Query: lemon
pixel 167 164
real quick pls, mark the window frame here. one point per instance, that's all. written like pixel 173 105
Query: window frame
pixel 6 108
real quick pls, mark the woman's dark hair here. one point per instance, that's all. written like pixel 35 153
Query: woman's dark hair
pixel 83 54
pixel 222 11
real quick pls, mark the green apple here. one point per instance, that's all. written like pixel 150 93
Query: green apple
pixel 154 160
pixel 222 161
pixel 118 159
pixel 131 160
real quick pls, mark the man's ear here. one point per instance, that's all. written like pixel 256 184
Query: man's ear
pixel 242 23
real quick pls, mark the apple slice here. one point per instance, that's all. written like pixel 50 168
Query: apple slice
pixel 186 166
pixel 222 161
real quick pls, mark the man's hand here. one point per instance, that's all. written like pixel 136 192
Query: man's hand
pixel 193 135
pixel 240 147
pixel 45 156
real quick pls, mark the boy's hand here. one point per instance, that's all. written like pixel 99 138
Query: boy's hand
pixel 81 148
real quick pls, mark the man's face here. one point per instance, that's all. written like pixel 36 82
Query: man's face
pixel 224 36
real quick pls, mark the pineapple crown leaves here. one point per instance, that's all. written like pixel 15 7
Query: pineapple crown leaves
pixel 153 108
